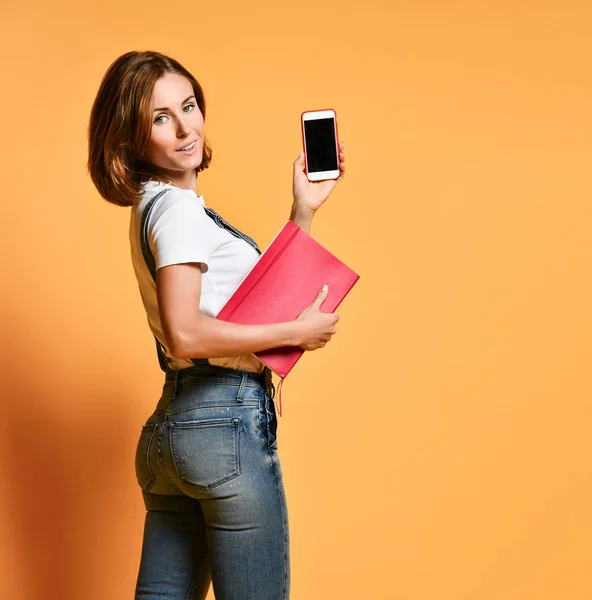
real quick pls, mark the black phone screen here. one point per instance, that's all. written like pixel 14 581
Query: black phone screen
pixel 321 151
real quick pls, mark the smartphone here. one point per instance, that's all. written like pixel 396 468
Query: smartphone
pixel 321 144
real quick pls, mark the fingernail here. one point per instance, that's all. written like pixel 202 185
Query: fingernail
pixel 324 288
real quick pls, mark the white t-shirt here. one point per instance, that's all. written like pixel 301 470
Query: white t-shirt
pixel 180 231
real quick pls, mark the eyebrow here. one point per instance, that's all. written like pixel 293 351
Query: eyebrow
pixel 165 108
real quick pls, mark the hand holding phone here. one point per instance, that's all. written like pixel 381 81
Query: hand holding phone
pixel 313 182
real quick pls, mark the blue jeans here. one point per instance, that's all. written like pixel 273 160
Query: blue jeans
pixel 211 481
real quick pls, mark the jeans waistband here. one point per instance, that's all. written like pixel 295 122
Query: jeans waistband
pixel 218 374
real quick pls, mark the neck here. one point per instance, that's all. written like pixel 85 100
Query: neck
pixel 185 181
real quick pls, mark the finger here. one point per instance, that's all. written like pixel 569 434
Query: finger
pixel 321 296
pixel 299 164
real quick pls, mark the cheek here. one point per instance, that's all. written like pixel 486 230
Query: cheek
pixel 198 121
pixel 156 146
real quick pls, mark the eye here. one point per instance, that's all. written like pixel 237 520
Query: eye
pixel 160 116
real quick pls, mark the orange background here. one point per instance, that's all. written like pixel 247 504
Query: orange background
pixel 439 446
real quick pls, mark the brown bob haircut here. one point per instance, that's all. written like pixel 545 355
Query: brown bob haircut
pixel 121 124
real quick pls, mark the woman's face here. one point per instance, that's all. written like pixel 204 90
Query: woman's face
pixel 176 123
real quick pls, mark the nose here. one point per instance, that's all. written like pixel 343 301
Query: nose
pixel 182 122
pixel 182 129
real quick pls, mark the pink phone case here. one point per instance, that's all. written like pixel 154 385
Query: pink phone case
pixel 304 144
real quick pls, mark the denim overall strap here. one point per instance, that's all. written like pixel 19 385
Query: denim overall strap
pixel 226 225
pixel 239 234
pixel 163 360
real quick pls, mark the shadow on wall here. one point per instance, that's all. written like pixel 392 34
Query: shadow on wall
pixel 67 470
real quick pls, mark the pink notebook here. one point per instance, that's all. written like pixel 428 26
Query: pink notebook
pixel 284 281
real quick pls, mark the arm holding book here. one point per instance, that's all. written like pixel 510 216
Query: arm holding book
pixel 190 334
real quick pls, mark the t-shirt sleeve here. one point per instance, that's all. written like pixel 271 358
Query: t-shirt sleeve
pixel 177 231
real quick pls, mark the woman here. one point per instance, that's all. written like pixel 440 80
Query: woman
pixel 206 459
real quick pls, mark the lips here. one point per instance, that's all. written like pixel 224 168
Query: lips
pixel 189 146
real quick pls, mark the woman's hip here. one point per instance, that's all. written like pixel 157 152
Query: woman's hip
pixel 210 428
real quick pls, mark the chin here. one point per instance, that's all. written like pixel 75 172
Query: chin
pixel 186 164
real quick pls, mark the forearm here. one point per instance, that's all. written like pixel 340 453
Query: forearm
pixel 302 217
pixel 214 338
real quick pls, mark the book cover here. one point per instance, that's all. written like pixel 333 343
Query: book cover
pixel 284 281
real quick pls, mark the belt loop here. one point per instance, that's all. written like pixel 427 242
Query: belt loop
pixel 175 384
pixel 241 387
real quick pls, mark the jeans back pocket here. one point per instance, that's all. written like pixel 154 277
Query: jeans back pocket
pixel 206 453
pixel 144 473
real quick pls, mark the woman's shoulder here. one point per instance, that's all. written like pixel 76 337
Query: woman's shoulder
pixel 167 197
pixel 173 207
